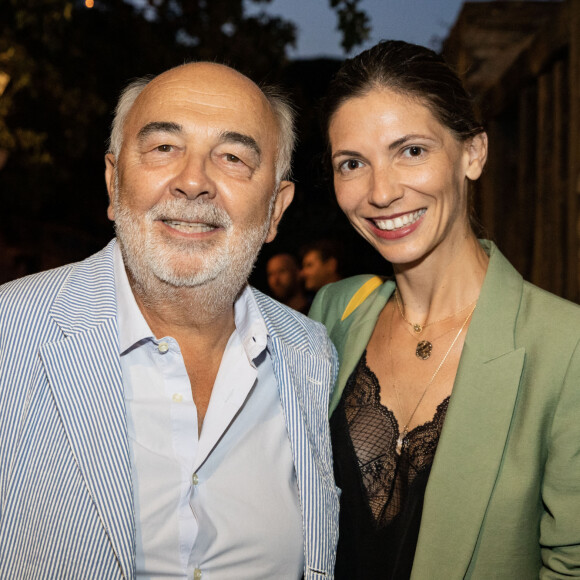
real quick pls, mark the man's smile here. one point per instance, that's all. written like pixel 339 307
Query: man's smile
pixel 189 227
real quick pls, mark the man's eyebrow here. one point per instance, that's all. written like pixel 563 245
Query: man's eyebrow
pixel 158 127
pixel 246 140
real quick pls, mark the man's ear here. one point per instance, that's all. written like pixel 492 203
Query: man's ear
pixel 283 199
pixel 110 174
pixel 477 151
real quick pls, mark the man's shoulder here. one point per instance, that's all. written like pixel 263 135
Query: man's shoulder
pixel 290 325
pixel 36 290
pixel 32 285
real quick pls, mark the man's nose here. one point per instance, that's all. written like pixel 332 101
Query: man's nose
pixel 191 179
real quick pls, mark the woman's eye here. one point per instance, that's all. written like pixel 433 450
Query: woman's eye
pixel 350 165
pixel 414 151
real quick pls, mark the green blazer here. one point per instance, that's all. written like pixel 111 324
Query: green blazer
pixel 503 498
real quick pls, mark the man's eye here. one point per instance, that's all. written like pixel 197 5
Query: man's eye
pixel 232 158
pixel 164 148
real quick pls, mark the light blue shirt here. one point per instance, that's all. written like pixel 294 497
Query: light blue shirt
pixel 225 504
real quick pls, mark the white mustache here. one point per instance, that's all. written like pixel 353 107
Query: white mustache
pixel 190 211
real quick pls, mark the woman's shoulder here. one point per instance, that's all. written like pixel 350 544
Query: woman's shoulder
pixel 332 301
pixel 549 310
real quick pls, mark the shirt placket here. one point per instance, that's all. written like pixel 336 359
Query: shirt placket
pixel 183 424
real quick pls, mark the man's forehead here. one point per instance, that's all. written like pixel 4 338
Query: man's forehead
pixel 313 255
pixel 282 260
pixel 206 93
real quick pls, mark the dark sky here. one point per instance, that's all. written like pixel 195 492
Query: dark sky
pixel 418 21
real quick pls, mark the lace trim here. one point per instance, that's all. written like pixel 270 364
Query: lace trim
pixel 373 430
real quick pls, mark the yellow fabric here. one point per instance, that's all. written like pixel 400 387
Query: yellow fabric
pixel 361 295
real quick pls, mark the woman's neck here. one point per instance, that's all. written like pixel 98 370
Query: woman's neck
pixel 442 283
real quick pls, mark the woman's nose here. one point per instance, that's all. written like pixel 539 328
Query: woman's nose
pixel 385 188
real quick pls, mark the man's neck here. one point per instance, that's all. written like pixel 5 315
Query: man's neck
pixel 192 313
pixel 202 329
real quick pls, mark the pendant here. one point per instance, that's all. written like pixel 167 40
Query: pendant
pixel 423 350
pixel 401 441
pixel 417 328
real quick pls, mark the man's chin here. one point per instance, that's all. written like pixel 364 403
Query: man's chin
pixel 191 275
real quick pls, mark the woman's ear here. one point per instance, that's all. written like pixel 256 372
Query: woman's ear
pixel 477 156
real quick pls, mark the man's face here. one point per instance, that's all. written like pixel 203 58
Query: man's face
pixel 315 271
pixel 282 273
pixel 192 192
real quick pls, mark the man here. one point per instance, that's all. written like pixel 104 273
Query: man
pixel 284 281
pixel 321 263
pixel 159 418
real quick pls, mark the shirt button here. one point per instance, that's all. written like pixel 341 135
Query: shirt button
pixel 163 347
pixel 177 397
pixel 197 574
pixel 195 481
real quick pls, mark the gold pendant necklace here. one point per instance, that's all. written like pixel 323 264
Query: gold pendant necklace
pixel 424 347
pixel 404 432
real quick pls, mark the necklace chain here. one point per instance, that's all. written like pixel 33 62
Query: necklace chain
pixel 403 432
pixel 418 328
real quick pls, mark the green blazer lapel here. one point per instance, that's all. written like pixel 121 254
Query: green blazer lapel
pixel 353 334
pixel 475 432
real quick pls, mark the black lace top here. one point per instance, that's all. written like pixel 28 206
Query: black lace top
pixel 382 491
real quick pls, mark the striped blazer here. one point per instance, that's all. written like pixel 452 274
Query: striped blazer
pixel 65 479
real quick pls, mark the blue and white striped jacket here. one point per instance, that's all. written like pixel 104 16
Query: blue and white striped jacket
pixel 65 480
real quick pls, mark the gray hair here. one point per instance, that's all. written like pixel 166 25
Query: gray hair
pixel 285 115
pixel 279 104
pixel 126 101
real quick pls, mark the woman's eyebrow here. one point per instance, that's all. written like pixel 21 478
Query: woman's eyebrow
pixel 158 127
pixel 345 152
pixel 402 140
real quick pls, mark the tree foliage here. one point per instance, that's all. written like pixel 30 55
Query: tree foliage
pixel 64 65
pixel 353 23
pixel 61 68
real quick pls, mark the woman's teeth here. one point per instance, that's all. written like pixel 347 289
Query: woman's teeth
pixel 400 221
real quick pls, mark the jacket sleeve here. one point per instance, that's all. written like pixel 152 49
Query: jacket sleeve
pixel 560 523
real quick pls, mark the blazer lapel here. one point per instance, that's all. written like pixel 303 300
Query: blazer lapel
pixel 84 374
pixel 352 338
pixel 303 378
pixel 476 428
pixel 305 407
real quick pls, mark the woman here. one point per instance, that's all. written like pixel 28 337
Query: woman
pixel 455 419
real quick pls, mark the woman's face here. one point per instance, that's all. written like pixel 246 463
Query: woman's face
pixel 400 176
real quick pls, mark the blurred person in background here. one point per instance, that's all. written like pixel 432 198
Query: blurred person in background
pixel 283 275
pixel 322 263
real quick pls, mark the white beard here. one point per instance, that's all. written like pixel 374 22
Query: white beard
pixel 214 272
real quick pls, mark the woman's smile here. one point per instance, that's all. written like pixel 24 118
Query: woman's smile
pixel 399 221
